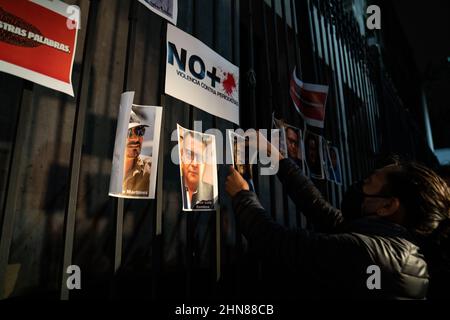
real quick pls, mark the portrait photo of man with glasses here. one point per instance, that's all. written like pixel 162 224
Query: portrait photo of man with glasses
pixel 198 170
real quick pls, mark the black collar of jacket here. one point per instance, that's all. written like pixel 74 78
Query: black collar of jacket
pixel 376 226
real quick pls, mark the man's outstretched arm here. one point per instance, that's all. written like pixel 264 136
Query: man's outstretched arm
pixel 312 253
pixel 308 198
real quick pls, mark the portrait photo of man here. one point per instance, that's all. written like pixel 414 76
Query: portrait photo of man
pixel 294 145
pixel 197 164
pixel 313 152
pixel 137 167
pixel 280 141
pixel 334 165
pixel 136 150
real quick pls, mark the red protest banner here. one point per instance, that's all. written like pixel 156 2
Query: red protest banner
pixel 38 41
pixel 309 100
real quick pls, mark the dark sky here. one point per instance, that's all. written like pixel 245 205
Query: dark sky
pixel 427 26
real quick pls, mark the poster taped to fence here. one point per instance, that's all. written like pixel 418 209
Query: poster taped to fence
pixel 199 76
pixel 168 9
pixel 198 170
pixel 279 140
pixel 309 100
pixel 242 155
pixel 38 39
pixel 314 155
pixel 290 142
pixel 136 149
pixel 333 165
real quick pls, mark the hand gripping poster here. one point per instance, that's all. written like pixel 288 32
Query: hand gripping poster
pixel 136 150
pixel 198 170
pixel 38 39
pixel 242 155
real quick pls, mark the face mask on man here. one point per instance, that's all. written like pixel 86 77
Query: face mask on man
pixel 353 200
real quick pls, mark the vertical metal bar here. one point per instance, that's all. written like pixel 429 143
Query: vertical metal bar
pixel 285 29
pixel 274 106
pixel 277 103
pixel 9 207
pixel 360 126
pixel 333 57
pixel 358 107
pixel 370 108
pixel 191 216
pixel 216 218
pixel 157 239
pixel 368 111
pixel 277 58
pixel 364 110
pixel 298 64
pixel 286 212
pixel 267 56
pixel 313 39
pixel 236 60
pixel 127 85
pixel 426 117
pixel 355 108
pixel 316 34
pixel 376 114
pixel 77 143
pixel 343 150
pixel 332 94
pixel 298 58
pixel 342 77
pixel 372 114
pixel 348 100
pixel 350 108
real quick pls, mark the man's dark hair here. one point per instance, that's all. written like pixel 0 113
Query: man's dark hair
pixel 424 195
pixel 426 199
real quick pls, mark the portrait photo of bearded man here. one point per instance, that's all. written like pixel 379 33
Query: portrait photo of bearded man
pixel 137 167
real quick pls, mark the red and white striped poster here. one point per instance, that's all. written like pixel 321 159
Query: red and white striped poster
pixel 309 100
pixel 38 41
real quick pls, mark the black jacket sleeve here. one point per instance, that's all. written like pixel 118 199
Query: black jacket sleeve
pixel 308 198
pixel 313 253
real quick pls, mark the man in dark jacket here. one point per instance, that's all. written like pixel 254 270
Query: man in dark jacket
pixel 342 260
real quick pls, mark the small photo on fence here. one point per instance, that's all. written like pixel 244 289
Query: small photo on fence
pixel 334 172
pixel 314 155
pixel 240 155
pixel 280 140
pixel 294 145
pixel 290 142
pixel 136 150
pixel 198 170
pixel 168 9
